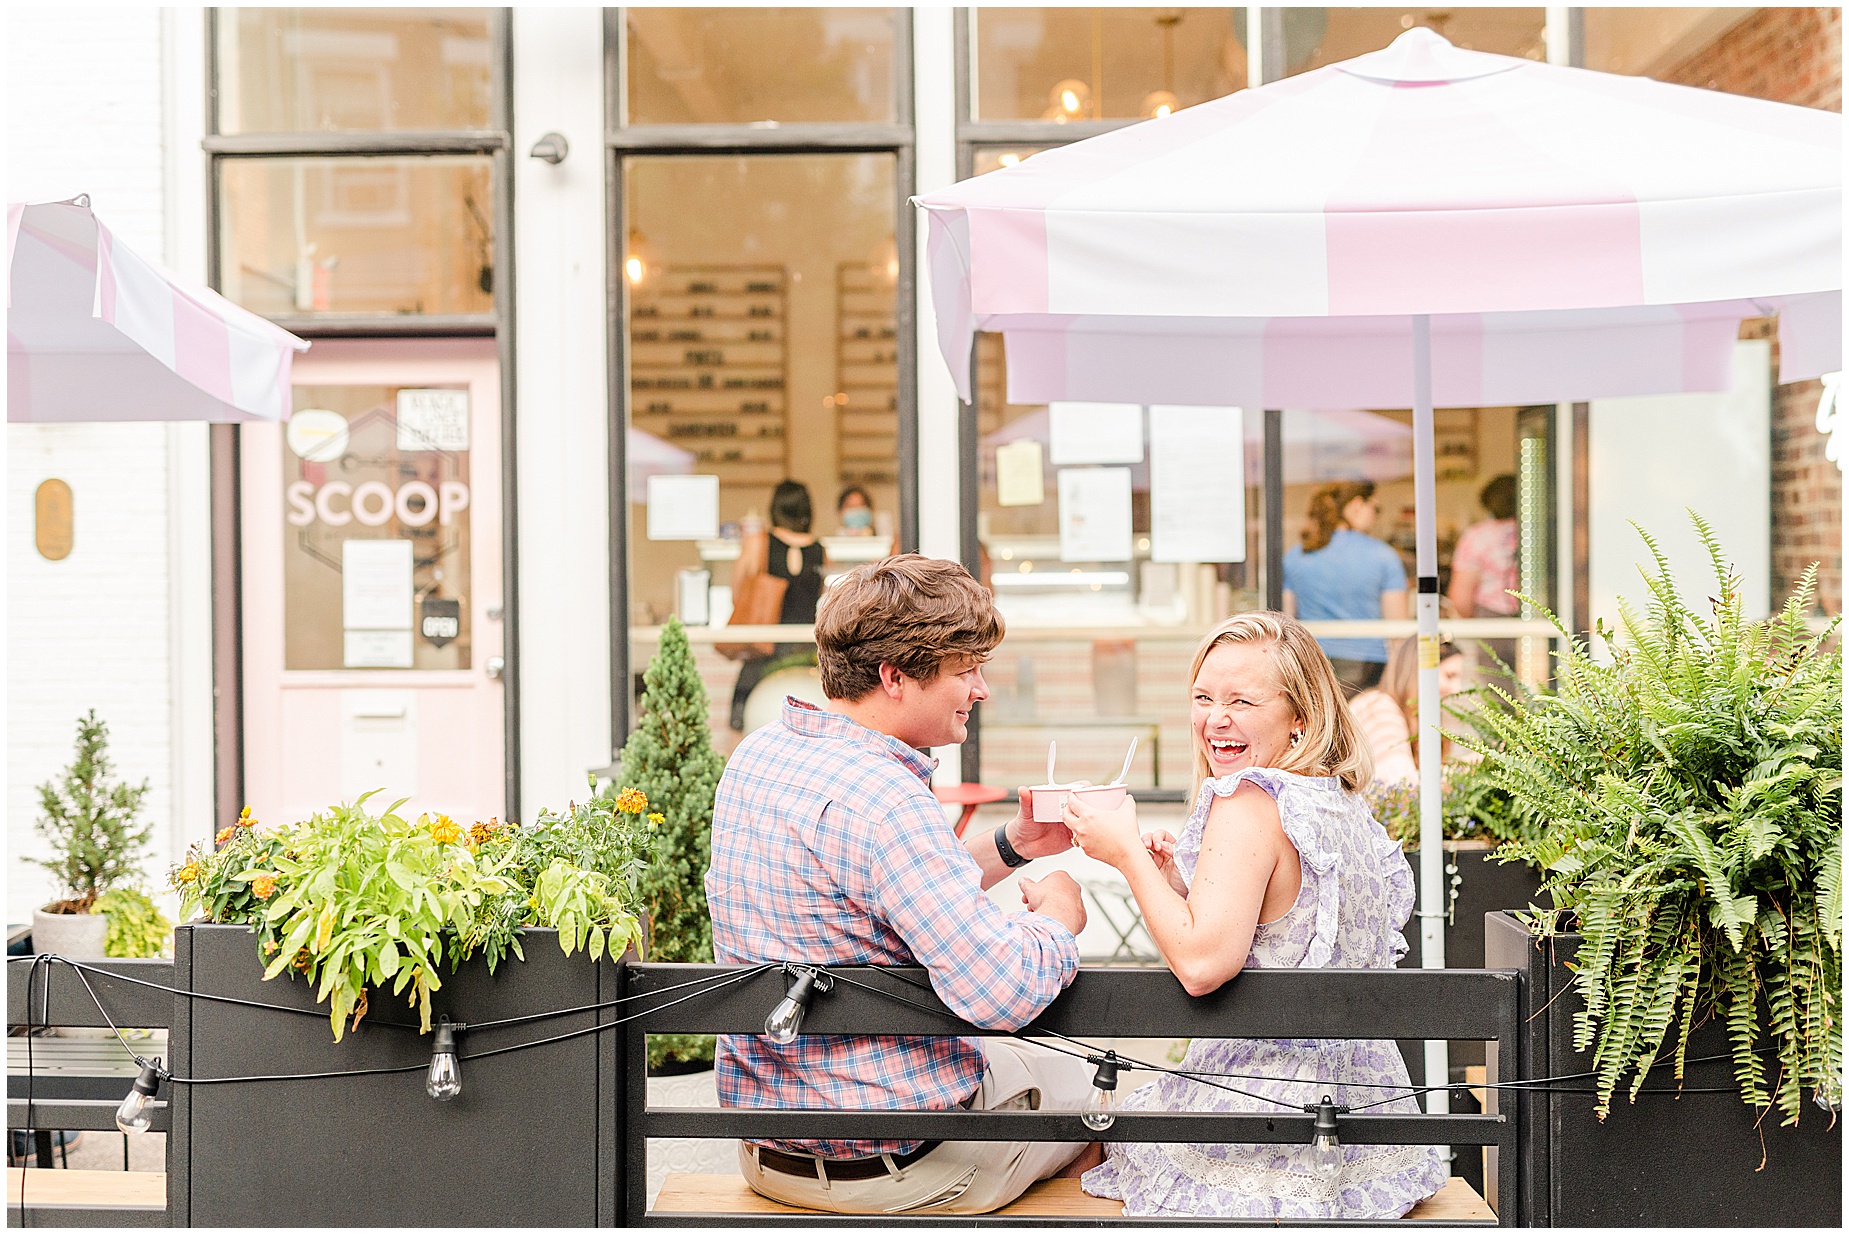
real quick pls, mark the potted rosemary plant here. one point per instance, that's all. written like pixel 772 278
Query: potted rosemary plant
pixel 440 987
pixel 89 822
pixel 1688 984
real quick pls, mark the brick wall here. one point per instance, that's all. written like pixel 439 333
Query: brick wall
pixel 1790 55
pixel 84 114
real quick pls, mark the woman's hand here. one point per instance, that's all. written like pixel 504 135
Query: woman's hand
pixel 1111 836
pixel 1161 846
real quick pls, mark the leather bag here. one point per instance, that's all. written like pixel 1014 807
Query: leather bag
pixel 757 598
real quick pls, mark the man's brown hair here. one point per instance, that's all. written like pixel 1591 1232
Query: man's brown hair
pixel 912 612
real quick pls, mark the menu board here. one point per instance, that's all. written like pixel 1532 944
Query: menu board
pixel 709 367
pixel 866 394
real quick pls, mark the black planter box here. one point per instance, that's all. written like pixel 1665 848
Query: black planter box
pixel 1691 1160
pixel 533 1140
pixel 1483 886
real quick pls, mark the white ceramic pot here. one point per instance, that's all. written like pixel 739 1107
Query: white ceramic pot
pixel 76 935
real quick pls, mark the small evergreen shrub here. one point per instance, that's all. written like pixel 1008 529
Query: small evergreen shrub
pixel 89 823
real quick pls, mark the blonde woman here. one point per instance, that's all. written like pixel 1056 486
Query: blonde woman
pixel 1388 714
pixel 1279 866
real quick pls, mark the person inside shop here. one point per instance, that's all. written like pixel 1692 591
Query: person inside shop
pixel 1341 573
pixel 854 510
pixel 1485 574
pixel 829 849
pixel 787 553
pixel 1280 866
pixel 1388 714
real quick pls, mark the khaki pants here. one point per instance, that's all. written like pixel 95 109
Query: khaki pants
pixel 958 1177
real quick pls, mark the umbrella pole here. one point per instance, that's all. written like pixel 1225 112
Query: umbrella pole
pixel 1431 795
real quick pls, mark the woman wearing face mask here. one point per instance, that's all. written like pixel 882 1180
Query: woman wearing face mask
pixel 855 510
pixel 1280 866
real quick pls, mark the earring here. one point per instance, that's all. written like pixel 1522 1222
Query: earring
pixel 1296 737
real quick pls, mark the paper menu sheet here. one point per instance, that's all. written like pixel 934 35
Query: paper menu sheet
pixel 683 507
pixel 1094 514
pixel 375 584
pixel 433 419
pixel 1197 494
pixel 1095 433
pixel 1019 478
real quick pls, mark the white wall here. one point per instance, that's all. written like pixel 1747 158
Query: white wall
pixel 563 443
pixel 1653 457
pixel 87 111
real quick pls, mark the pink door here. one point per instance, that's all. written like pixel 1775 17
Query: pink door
pixel 372 584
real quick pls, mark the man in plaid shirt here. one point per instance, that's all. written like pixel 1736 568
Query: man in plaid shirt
pixel 829 849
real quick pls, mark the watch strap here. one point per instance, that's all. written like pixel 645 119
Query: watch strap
pixel 1010 858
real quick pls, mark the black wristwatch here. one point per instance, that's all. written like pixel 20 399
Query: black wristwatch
pixel 1010 858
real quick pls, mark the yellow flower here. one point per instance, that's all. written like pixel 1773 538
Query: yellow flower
pixel 225 834
pixel 446 830
pixel 244 819
pixel 264 886
pixel 189 873
pixel 656 819
pixel 480 833
pixel 632 801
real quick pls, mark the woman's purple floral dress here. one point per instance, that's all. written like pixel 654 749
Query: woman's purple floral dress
pixel 1357 895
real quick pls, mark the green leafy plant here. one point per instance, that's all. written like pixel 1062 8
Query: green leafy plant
pixel 1476 807
pixel 670 758
pixel 357 902
pixel 136 925
pixel 89 823
pixel 1692 793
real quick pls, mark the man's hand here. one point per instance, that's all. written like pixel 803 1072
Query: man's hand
pixel 1058 897
pixel 1036 840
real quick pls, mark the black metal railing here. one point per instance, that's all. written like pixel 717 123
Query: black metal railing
pixel 1109 1003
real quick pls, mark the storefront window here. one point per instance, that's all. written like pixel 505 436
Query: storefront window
pixel 388 236
pixel 994 158
pixel 376 529
pixel 1113 535
pixel 1103 63
pixel 762 309
pixel 1316 37
pixel 343 70
pixel 744 66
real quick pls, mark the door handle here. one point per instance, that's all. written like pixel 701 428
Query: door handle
pixel 496 667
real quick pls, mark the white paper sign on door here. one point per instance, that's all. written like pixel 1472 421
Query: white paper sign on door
pixel 1019 477
pixel 376 603
pixel 683 507
pixel 1095 433
pixel 1197 491
pixel 433 420
pixel 1094 514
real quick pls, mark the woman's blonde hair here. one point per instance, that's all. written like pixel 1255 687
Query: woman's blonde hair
pixel 1332 744
pixel 1400 682
pixel 1326 507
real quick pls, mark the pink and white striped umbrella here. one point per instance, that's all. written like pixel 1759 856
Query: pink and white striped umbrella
pixel 1571 235
pixel 96 332
pixel 1419 225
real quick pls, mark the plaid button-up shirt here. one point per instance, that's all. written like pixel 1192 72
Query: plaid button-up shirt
pixel 829 849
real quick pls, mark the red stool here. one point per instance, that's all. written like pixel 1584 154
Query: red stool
pixel 969 796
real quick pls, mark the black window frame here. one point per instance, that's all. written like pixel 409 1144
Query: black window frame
pixel 623 141
pixel 494 142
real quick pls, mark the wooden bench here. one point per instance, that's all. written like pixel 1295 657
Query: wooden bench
pixel 1484 1005
pixel 728 1196
pixel 85 1198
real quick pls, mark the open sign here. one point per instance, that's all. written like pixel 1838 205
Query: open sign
pixel 373 503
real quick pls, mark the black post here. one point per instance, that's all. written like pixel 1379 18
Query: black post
pixel 1274 509
pixel 634 1170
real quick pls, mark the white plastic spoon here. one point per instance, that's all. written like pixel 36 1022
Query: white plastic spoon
pixel 1051 748
pixel 1123 776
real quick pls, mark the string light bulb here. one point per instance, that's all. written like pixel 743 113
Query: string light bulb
pixel 1325 1144
pixel 785 1022
pixel 444 1080
pixel 1100 1110
pixel 136 1115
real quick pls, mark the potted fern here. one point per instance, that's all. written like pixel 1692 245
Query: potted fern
pixel 89 822
pixel 1689 977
